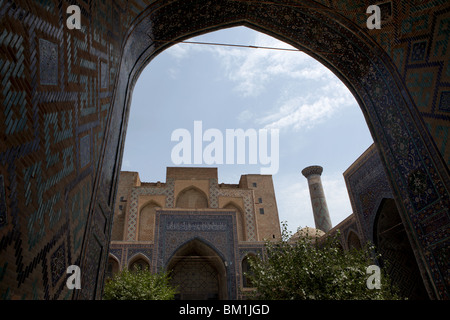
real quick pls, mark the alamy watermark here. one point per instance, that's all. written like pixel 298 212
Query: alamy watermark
pixel 235 146
pixel 74 20
pixel 374 280
pixel 374 20
pixel 74 280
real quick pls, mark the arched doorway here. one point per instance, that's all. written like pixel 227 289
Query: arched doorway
pixel 417 173
pixel 198 272
pixel 246 270
pixel 240 220
pixel 138 262
pixel 147 221
pixel 392 243
pixel 112 267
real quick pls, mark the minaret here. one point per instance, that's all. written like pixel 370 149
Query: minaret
pixel 319 204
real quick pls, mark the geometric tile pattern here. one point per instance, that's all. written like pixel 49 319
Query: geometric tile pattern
pixel 58 265
pixel 246 250
pixel 3 213
pixel 202 278
pixel 367 185
pixel 60 85
pixel 85 150
pixel 249 203
pixel 48 62
pixel 217 229
pixel 50 146
pixel 418 51
pixel 167 190
pixel 368 188
pixel 444 102
pixel 133 250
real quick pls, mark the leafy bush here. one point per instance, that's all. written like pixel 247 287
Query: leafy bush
pixel 303 269
pixel 139 284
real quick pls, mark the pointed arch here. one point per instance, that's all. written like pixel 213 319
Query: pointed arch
pixel 391 241
pixel 198 243
pixel 192 198
pixel 152 202
pixel 246 270
pixel 240 219
pixel 147 221
pixel 353 241
pixel 199 271
pixel 138 260
pixel 112 267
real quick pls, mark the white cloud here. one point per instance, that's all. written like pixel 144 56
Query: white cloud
pixel 253 69
pixel 126 164
pixel 305 112
pixel 312 94
pixel 244 116
pixel 337 197
pixel 182 51
pixel 173 73
pixel 179 51
pixel 294 204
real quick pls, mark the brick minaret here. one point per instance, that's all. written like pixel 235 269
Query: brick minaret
pixel 319 204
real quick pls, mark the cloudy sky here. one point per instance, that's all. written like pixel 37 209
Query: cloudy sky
pixel 318 120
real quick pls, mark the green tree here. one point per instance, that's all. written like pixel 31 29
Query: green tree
pixel 308 270
pixel 139 284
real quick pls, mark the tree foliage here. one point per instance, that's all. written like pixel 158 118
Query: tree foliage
pixel 139 284
pixel 306 270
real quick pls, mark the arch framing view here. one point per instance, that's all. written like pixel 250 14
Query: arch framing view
pixel 80 197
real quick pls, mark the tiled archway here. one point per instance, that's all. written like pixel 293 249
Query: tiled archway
pixel 415 168
pixel 198 272
pixel 62 129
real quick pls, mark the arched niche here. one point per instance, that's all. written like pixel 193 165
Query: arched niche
pixel 147 221
pixel 353 241
pixel 198 271
pixel 112 267
pixel 240 220
pixel 138 261
pixel 192 198
pixel 417 173
pixel 118 225
pixel 391 241
pixel 246 270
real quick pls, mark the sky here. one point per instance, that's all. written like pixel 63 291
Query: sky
pixel 318 120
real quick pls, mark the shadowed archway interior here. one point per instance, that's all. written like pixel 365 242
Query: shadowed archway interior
pixel 392 243
pixel 198 272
